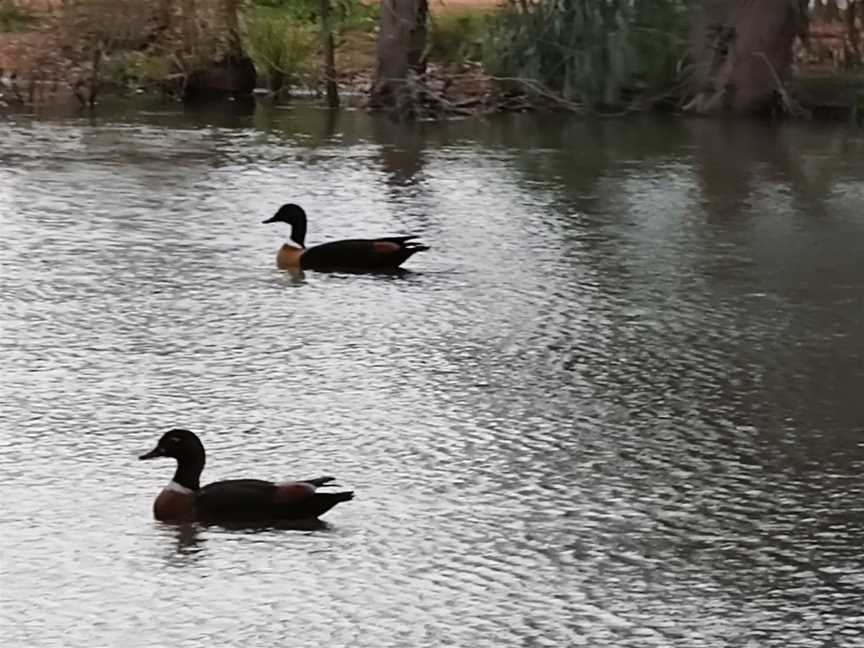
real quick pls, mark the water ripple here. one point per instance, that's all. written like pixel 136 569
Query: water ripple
pixel 615 405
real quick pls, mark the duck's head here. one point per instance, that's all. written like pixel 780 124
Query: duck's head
pixel 295 217
pixel 182 445
pixel 289 213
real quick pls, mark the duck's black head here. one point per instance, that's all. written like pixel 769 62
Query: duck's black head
pixel 177 443
pixel 295 217
pixel 289 213
pixel 187 449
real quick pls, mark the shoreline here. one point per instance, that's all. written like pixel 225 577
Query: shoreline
pixel 33 72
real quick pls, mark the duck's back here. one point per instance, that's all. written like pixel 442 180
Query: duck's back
pixel 349 253
pixel 367 254
pixel 258 500
pixel 237 498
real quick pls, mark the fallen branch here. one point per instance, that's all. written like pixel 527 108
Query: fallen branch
pixel 538 88
pixel 789 104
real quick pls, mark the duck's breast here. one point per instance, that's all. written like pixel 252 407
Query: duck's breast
pixel 174 503
pixel 288 257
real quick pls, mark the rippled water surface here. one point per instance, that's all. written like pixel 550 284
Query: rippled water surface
pixel 620 403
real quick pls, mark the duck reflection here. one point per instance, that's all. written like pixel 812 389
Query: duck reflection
pixel 297 277
pixel 187 543
pixel 190 539
pixel 275 525
pixel 294 276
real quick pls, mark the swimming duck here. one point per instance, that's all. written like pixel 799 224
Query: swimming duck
pixel 386 253
pixel 233 500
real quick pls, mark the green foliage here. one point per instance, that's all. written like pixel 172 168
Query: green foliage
pixel 348 15
pixel 281 47
pixel 458 37
pixel 136 69
pixel 146 69
pixel 353 15
pixel 590 51
pixel 14 18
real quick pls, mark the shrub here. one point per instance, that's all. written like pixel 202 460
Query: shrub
pixel 281 47
pixel 348 15
pixel 14 18
pixel 589 51
pixel 458 37
pixel 146 69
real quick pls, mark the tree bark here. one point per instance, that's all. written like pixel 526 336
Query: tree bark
pixel 232 26
pixel 401 56
pixel 741 51
pixel 329 57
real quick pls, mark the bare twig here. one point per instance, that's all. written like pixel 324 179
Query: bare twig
pixel 789 104
pixel 540 89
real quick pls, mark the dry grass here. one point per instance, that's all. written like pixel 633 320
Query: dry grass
pixel 456 6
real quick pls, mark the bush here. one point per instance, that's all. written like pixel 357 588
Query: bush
pixel 590 52
pixel 458 37
pixel 348 15
pixel 14 18
pixel 146 69
pixel 281 48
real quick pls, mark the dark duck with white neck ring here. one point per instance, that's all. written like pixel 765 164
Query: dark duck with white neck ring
pixel 379 254
pixel 233 500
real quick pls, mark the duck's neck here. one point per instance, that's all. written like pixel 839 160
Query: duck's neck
pixel 298 232
pixel 188 473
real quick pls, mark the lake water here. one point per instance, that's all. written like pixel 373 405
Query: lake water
pixel 619 403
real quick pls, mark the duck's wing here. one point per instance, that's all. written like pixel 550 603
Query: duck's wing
pixel 236 498
pixel 398 239
pixel 388 252
pixel 314 506
pixel 256 500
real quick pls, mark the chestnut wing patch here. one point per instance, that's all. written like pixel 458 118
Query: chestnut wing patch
pixel 385 247
pixel 292 492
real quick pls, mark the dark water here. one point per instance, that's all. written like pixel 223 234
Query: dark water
pixel 621 403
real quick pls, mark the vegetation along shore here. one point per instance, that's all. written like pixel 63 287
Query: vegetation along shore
pixel 420 59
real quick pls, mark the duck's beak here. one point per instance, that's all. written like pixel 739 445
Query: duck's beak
pixel 272 219
pixel 155 452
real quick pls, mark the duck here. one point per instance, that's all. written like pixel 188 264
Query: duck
pixel 234 500
pixel 379 254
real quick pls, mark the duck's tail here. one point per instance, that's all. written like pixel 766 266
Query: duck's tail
pixel 317 482
pixel 407 243
pixel 399 240
pixel 323 502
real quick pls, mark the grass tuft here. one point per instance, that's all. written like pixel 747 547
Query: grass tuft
pixel 15 18
pixel 589 52
pixel 281 47
pixel 455 38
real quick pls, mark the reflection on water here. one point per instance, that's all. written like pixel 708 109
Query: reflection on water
pixel 616 404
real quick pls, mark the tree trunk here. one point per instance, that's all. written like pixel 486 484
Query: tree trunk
pixel 401 56
pixel 741 50
pixel 853 10
pixel 232 26
pixel 329 58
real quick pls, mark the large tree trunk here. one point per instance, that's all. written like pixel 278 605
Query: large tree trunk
pixel 329 57
pixel 232 26
pixel 231 76
pixel 741 50
pixel 401 56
